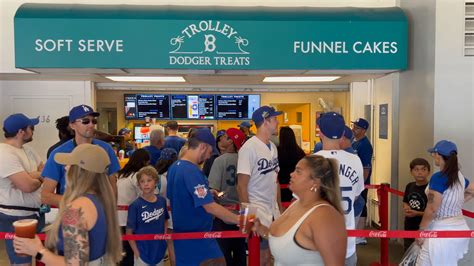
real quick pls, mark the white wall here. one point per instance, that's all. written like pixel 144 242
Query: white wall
pixel 360 96
pixel 47 99
pixel 9 7
pixel 453 91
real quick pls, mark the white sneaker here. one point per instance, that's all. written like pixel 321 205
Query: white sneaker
pixel 361 241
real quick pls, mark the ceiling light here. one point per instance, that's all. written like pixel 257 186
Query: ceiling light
pixel 301 79
pixel 147 78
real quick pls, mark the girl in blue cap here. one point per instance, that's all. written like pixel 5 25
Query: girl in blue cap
pixel 448 190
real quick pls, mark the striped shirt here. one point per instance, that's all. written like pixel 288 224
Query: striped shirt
pixel 453 197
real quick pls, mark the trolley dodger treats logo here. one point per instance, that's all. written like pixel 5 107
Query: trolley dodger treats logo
pixel 200 191
pixel 209 43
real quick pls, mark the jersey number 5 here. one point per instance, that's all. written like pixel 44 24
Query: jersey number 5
pixel 346 198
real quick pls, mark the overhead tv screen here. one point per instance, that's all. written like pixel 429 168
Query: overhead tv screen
pixel 201 107
pixel 139 106
pixel 240 106
pixel 179 106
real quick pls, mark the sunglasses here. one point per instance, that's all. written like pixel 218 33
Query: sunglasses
pixel 86 121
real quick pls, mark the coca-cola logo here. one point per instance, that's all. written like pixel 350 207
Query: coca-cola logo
pixel 430 234
pixel 162 237
pixel 213 235
pixel 378 234
pixel 9 235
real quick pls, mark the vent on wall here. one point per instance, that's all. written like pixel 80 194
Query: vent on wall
pixel 469 29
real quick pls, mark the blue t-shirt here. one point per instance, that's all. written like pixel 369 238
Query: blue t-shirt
pixel 438 182
pixel 146 217
pixel 174 142
pixel 154 152
pixel 188 191
pixel 364 151
pixel 318 147
pixel 97 235
pixel 56 172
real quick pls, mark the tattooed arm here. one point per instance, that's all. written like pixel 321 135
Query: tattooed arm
pixel 434 202
pixel 78 218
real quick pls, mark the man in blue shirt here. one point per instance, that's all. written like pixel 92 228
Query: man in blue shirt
pixel 365 151
pixel 82 120
pixel 157 140
pixel 173 140
pixel 192 204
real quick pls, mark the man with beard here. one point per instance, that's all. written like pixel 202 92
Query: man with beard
pixel 82 120
pixel 20 179
pixel 193 206
pixel 257 172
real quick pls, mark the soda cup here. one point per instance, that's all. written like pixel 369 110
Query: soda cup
pixel 247 217
pixel 25 228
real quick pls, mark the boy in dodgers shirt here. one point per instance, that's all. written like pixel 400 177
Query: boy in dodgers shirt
pixel 148 215
pixel 351 172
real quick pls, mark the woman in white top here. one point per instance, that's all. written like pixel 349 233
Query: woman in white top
pixel 128 192
pixel 312 230
pixel 448 190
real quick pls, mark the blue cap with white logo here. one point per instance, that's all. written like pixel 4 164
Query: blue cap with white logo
pixel 444 147
pixel 331 125
pixel 362 123
pixel 15 122
pixel 80 111
pixel 264 112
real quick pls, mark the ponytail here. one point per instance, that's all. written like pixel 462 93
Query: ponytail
pixel 451 168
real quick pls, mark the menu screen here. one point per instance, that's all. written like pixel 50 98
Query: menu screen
pixel 179 106
pixel 130 106
pixel 236 106
pixel 206 107
pixel 153 105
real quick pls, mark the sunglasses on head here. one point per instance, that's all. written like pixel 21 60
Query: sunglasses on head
pixel 86 121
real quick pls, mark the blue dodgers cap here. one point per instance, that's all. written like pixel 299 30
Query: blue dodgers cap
pixel 124 131
pixel 264 112
pixel 168 154
pixel 362 123
pixel 205 135
pixel 15 122
pixel 444 147
pixel 245 124
pixel 80 111
pixel 331 125
pixel 220 133
pixel 348 133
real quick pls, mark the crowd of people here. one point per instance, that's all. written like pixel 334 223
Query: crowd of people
pixel 201 180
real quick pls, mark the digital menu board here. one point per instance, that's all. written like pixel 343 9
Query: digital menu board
pixel 201 107
pixel 130 106
pixel 179 106
pixel 236 106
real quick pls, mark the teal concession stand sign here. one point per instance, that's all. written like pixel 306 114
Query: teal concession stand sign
pixel 172 37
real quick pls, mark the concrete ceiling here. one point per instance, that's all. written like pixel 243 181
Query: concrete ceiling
pixel 200 78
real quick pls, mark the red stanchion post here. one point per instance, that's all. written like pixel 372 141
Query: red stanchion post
pixel 254 250
pixel 383 215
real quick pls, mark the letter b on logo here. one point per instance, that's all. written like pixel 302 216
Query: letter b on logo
pixel 210 43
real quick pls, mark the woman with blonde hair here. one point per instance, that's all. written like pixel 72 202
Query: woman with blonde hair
pixel 312 230
pixel 86 230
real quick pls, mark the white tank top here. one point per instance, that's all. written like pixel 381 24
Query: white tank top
pixel 285 250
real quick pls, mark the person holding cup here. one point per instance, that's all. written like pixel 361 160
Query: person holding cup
pixel 312 230
pixel 86 228
pixel 20 180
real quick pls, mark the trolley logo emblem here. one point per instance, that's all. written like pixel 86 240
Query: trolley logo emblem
pixel 378 234
pixel 209 43
pixel 213 235
pixel 200 191
pixel 430 234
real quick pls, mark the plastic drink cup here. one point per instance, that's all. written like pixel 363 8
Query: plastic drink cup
pixel 247 217
pixel 25 228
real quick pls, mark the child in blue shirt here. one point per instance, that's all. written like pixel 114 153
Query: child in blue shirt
pixel 148 215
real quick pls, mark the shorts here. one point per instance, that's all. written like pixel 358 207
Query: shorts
pixel 352 260
pixel 6 225
pixel 264 244
pixel 139 262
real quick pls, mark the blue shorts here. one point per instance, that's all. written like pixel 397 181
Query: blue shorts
pixel 6 225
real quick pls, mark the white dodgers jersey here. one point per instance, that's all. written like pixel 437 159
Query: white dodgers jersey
pixel 260 162
pixel 351 182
